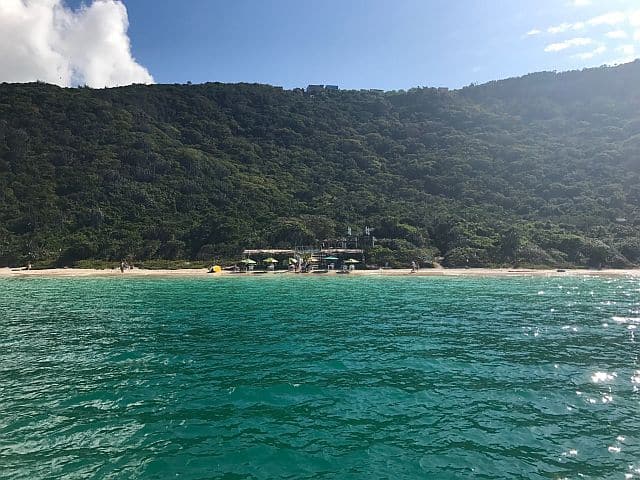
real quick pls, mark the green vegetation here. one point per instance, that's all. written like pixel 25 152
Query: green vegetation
pixel 539 170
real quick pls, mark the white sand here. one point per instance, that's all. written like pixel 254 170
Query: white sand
pixel 202 272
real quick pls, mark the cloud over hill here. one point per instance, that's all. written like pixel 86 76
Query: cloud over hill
pixel 45 40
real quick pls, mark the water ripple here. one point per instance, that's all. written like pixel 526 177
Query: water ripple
pixel 319 378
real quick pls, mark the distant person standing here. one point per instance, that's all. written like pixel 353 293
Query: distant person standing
pixel 122 266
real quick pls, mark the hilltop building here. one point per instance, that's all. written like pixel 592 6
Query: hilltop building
pixel 311 89
pixel 315 89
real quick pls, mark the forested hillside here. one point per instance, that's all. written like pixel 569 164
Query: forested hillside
pixel 539 170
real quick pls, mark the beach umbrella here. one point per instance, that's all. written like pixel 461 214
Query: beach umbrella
pixel 270 260
pixel 248 261
pixel 351 261
pixel 331 259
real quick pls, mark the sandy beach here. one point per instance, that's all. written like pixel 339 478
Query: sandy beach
pixel 446 272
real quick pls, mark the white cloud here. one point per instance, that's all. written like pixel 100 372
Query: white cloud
pixel 573 42
pixel 617 34
pixel 610 18
pixel 589 55
pixel 611 28
pixel 634 18
pixel 535 31
pixel 563 27
pixel 45 40
pixel 627 52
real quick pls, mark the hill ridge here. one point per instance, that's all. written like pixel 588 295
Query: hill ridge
pixel 538 170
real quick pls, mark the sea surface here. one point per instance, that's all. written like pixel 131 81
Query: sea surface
pixel 286 376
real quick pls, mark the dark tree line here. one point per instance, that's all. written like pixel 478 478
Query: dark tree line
pixel 538 170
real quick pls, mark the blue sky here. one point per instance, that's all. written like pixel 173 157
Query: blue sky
pixel 376 43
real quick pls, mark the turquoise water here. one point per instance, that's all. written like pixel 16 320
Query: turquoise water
pixel 306 377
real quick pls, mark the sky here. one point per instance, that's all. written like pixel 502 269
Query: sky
pixel 385 44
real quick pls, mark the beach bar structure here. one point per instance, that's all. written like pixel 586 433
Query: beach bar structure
pixel 301 251
pixel 268 252
pixel 316 254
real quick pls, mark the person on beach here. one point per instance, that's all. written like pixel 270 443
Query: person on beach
pixel 413 266
pixel 122 265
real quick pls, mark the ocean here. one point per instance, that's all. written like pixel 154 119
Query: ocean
pixel 284 376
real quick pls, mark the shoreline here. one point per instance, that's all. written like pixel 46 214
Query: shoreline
pixel 203 272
